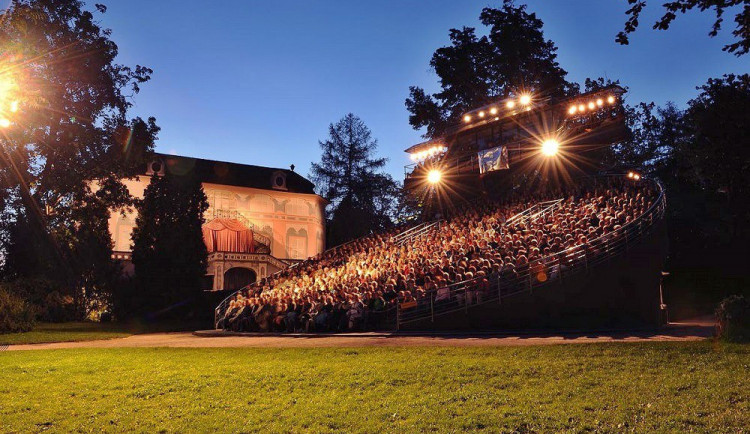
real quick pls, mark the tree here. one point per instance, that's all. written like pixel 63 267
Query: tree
pixel 362 198
pixel 169 255
pixel 672 8
pixel 719 146
pixel 66 101
pixel 514 57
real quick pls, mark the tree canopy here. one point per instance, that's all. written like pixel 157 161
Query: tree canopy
pixel 351 178
pixel 475 70
pixel 64 103
pixel 169 255
pixel 672 8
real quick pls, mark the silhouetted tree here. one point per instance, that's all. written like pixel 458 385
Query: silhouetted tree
pixel 672 8
pixel 350 177
pixel 514 57
pixel 169 255
pixel 70 128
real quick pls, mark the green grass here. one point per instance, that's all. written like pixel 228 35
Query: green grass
pixel 67 332
pixel 89 331
pixel 697 386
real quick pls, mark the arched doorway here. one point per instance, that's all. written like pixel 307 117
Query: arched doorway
pixel 237 277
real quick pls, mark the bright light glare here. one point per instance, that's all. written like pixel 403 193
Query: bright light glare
pixel 599 102
pixel 481 114
pixel 611 99
pixel 4 123
pixel 572 110
pixel 525 99
pixel 467 118
pixel 433 177
pixel 581 108
pixel 14 106
pixel 493 111
pixel 591 105
pixel 550 147
pixel 510 104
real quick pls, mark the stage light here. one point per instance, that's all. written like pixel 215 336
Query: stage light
pixel 630 175
pixel 599 102
pixel 525 99
pixel 413 157
pixel 4 123
pixel 572 110
pixel 592 105
pixel 510 104
pixel 467 118
pixel 14 106
pixel 637 177
pixel 481 114
pixel 433 177
pixel 550 147
pixel 581 108
pixel 611 99
pixel 493 111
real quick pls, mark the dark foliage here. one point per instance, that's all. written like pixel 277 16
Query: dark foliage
pixel 514 57
pixel 733 319
pixel 672 8
pixel 16 315
pixel 351 178
pixel 73 101
pixel 169 254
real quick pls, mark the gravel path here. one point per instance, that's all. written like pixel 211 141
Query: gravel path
pixel 690 331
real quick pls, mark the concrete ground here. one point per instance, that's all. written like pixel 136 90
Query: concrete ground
pixel 682 331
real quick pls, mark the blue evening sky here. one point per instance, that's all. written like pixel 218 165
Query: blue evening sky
pixel 258 82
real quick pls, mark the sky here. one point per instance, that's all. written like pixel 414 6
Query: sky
pixel 258 82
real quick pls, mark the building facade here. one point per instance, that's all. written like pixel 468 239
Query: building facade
pixel 278 206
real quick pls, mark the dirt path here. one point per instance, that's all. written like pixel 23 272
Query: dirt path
pixel 690 331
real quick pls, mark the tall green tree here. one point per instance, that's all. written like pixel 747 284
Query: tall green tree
pixel 169 255
pixel 66 102
pixel 475 70
pixel 362 197
pixel 739 47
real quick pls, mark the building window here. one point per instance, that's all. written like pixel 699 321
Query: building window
pixel 296 243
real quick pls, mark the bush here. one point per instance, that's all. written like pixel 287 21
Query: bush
pixel 733 316
pixel 16 315
pixel 44 295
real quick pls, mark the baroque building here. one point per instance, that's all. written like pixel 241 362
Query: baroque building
pixel 260 219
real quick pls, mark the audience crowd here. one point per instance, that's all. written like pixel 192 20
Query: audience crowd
pixel 356 285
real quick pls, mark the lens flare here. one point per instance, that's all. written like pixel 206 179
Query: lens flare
pixel 433 177
pixel 550 147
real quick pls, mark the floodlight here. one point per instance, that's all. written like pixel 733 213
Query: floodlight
pixel 467 118
pixel 4 123
pixel 611 99
pixel 433 177
pixel 572 110
pixel 525 99
pixel 592 105
pixel 510 104
pixel 481 114
pixel 493 111
pixel 599 102
pixel 550 147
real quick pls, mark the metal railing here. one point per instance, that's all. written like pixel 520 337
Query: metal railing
pixel 553 268
pixel 541 209
pixel 415 232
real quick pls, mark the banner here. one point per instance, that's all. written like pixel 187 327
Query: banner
pixel 493 159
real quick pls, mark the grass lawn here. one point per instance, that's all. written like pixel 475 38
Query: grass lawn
pixel 66 332
pixel 696 386
pixel 89 331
